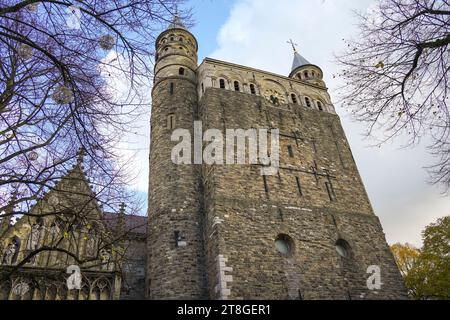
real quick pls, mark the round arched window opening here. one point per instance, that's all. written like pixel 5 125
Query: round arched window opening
pixel 284 245
pixel 343 248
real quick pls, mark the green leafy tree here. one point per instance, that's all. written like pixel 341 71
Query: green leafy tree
pixel 427 271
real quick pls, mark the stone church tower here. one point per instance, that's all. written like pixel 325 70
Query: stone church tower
pixel 226 231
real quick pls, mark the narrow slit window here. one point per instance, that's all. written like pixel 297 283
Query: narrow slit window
pixel 290 151
pixel 222 84
pixel 299 186
pixel 171 121
pixel 203 88
pixel 171 88
pixel 266 187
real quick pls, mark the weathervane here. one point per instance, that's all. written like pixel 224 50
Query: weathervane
pixel 292 44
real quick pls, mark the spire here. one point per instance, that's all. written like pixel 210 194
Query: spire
pixel 80 156
pixel 299 61
pixel 176 22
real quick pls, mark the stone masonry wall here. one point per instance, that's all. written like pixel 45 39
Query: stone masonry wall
pixel 174 272
pixel 244 215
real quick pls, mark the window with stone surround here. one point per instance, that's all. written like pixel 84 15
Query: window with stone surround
pixel 181 71
pixel 343 248
pixel 294 98
pixel 236 86
pixel 284 244
pixel 319 106
pixel 252 89
pixel 222 84
pixel 308 102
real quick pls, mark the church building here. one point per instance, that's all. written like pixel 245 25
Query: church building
pixel 228 232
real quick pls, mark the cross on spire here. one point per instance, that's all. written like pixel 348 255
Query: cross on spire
pixel 80 156
pixel 293 44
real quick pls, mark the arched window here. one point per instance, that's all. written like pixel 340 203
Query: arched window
pixel 222 84
pixel 252 89
pixel 299 76
pixel 343 248
pixel 308 102
pixel 181 71
pixel 313 74
pixel 181 39
pixel 172 38
pixel 306 74
pixel 319 106
pixel 294 98
pixel 236 86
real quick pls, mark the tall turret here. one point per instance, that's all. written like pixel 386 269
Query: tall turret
pixel 175 246
pixel 302 69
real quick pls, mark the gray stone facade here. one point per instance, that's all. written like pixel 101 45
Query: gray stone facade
pixel 230 219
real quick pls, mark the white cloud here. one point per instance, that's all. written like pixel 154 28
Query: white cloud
pixel 133 147
pixel 255 35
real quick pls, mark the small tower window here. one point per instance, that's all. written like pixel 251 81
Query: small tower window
pixel 172 38
pixel 308 102
pixel 222 84
pixel 171 121
pixel 290 151
pixel 319 106
pixel 252 89
pixel 203 88
pixel 294 98
pixel 299 186
pixel 343 248
pixel 313 74
pixel 181 39
pixel 306 74
pixel 171 88
pixel 181 71
pixel 236 86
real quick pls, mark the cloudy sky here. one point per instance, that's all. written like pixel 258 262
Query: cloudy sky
pixel 254 33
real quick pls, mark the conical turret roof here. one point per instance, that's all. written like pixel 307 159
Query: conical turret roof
pixel 299 61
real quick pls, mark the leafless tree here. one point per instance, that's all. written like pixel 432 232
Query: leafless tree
pixel 396 76
pixel 60 62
